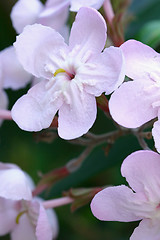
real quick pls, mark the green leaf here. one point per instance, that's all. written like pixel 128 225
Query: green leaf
pixel 143 12
pixel 150 34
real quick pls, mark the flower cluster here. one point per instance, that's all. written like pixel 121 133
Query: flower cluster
pixel 139 103
pixel 23 217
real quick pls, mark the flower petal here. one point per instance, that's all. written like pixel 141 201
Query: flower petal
pixel 156 135
pixel 141 170
pixel 23 230
pixel 14 185
pixel 57 4
pixel 36 110
pixel 8 215
pixel 76 5
pixel 14 76
pixel 146 230
pixel 4 166
pixel 141 60
pixel 53 221
pixel 54 14
pixel 119 204
pixel 29 181
pixel 40 50
pixel 88 36
pixel 131 104
pixel 103 73
pixel 43 228
pixel 78 115
pixel 23 13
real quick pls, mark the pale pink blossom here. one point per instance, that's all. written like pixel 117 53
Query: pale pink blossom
pixel 13 187
pixel 54 13
pixel 34 222
pixel 20 214
pixel 12 73
pixel 74 74
pixel 137 102
pixel 140 202
pixel 75 5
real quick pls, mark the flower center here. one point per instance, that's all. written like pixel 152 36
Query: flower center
pixel 61 70
pixel 19 215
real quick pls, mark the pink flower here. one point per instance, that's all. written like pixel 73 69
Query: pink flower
pixel 20 215
pixel 141 170
pixel 13 75
pixel 13 187
pixel 137 102
pixel 34 222
pixel 74 75
pixel 54 14
pixel 75 5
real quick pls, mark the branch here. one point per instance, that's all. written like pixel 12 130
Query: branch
pixel 74 164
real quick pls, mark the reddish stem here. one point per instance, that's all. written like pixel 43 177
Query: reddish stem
pixel 5 114
pixel 57 202
pixel 108 11
pixel 49 179
pixel 114 34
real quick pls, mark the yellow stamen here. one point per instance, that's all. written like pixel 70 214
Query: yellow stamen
pixel 19 215
pixel 60 70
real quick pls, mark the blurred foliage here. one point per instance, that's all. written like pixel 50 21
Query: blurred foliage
pixel 142 12
pixel 99 169
pixel 150 34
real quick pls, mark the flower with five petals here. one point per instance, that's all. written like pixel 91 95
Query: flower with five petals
pixel 74 75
